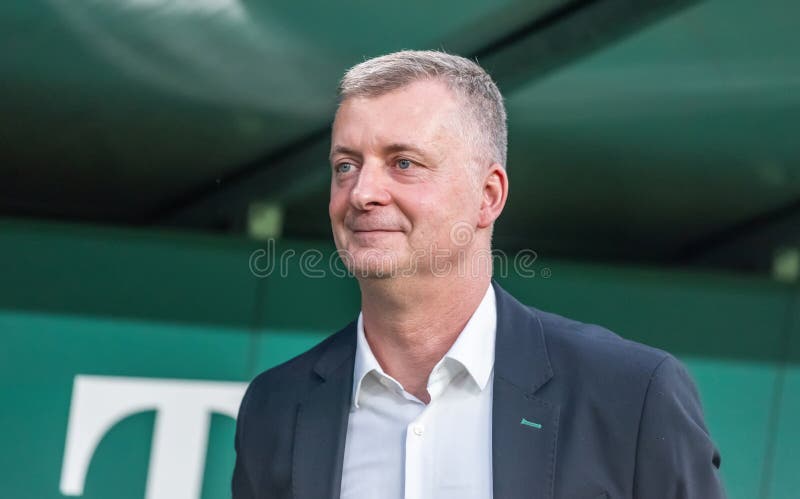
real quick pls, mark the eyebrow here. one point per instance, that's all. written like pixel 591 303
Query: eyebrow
pixel 400 147
pixel 391 148
pixel 343 150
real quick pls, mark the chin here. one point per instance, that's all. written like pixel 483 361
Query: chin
pixel 373 263
pixel 371 275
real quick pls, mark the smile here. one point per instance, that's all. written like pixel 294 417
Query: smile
pixel 368 233
pixel 374 233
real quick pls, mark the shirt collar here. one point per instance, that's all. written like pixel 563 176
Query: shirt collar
pixel 473 349
pixel 365 360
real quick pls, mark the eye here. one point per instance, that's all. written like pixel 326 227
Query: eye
pixel 344 167
pixel 404 164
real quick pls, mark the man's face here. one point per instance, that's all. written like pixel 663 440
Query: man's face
pixel 403 192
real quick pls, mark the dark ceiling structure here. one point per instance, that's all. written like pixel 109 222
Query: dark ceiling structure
pixel 661 132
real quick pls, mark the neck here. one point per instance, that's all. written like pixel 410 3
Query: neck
pixel 411 322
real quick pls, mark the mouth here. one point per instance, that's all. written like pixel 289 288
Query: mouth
pixel 374 233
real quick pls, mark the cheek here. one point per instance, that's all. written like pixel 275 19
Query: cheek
pixel 430 218
pixel 337 206
pixel 446 216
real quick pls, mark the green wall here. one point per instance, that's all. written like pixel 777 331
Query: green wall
pixel 142 304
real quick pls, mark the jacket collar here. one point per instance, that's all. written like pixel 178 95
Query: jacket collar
pixel 524 426
pixel 321 424
pixel 520 351
pixel 340 349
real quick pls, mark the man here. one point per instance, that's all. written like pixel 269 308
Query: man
pixel 445 386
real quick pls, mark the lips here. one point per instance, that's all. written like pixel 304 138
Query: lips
pixel 372 228
pixel 372 224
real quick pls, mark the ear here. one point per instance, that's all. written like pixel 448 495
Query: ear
pixel 494 195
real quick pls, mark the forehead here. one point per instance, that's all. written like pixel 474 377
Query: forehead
pixel 419 112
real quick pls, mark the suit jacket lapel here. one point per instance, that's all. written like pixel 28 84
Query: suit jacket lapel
pixel 321 427
pixel 524 426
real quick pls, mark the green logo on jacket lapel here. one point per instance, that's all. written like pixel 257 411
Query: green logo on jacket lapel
pixel 525 422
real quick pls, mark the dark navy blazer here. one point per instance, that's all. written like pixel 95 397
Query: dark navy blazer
pixel 618 419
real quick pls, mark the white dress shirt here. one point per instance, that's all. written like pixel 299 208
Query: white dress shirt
pixel 397 447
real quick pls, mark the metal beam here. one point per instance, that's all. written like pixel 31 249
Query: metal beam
pixel 749 244
pixel 276 177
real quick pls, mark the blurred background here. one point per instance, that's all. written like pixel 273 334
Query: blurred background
pixel 164 229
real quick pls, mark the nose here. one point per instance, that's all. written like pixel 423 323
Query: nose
pixel 369 189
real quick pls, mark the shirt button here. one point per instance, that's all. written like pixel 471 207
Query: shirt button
pixel 419 430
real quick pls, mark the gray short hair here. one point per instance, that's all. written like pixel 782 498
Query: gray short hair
pixel 472 85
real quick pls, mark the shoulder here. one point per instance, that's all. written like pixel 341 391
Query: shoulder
pixel 624 382
pixel 295 377
pixel 628 382
pixel 638 400
pixel 599 359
